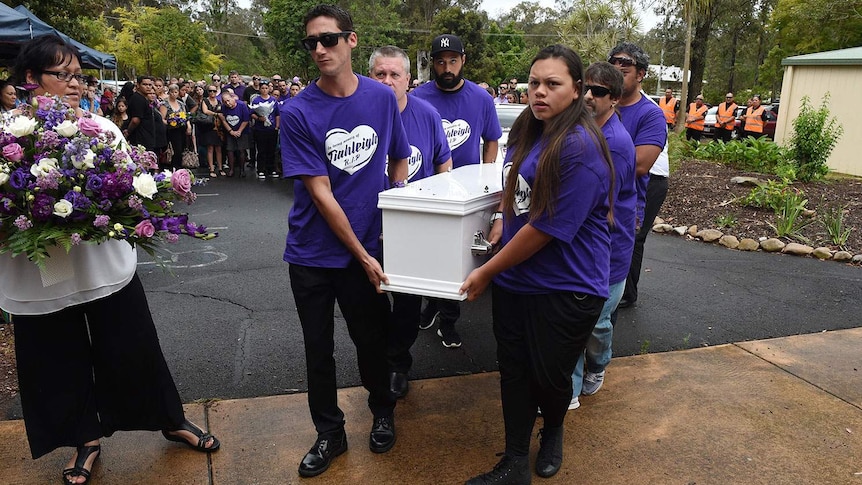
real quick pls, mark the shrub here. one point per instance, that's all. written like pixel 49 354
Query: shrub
pixel 788 218
pixel 772 194
pixel 725 220
pixel 814 136
pixel 832 218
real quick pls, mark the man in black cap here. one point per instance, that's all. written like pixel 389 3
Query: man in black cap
pixel 469 117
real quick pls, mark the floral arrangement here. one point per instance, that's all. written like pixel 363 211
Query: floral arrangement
pixel 64 181
pixel 177 119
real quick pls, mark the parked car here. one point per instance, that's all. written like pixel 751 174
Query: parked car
pixel 506 114
pixel 768 129
pixel 709 122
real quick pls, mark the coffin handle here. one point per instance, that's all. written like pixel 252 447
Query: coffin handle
pixel 480 246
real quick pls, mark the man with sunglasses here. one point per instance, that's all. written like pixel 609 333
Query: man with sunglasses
pixel 469 117
pixel 603 89
pixel 142 127
pixel 430 155
pixel 502 91
pixel 646 124
pixel 336 138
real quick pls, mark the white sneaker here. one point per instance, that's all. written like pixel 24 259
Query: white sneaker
pixel 575 404
pixel 592 383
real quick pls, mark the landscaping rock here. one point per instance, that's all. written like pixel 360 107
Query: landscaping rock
pixel 692 231
pixel 680 230
pixel 662 228
pixel 857 259
pixel 658 220
pixel 772 245
pixel 797 249
pixel 842 256
pixel 729 242
pixel 709 235
pixel 822 253
pixel 748 244
pixel 751 181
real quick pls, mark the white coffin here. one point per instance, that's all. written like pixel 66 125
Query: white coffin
pixel 429 227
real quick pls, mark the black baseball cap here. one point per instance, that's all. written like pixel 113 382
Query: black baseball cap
pixel 446 43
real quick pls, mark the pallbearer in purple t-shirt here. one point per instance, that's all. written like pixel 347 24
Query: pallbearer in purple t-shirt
pixel 550 278
pixel 602 92
pixel 469 117
pixel 429 155
pixel 336 138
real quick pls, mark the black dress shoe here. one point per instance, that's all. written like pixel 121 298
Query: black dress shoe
pixel 398 384
pixel 550 456
pixel 625 303
pixel 318 459
pixel 382 437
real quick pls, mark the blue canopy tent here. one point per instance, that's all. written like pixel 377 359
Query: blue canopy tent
pixel 18 25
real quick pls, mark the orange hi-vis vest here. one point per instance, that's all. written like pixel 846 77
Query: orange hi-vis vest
pixel 725 119
pixel 669 109
pixel 694 111
pixel 754 119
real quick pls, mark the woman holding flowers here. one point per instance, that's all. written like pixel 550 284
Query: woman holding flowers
pixel 89 360
pixel 550 279
pixel 173 111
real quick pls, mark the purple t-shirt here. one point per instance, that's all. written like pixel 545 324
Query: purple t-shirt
pixel 645 123
pixel 239 90
pixel 264 107
pixel 578 256
pixel 468 117
pixel 625 201
pixel 237 115
pixel 427 141
pixel 347 139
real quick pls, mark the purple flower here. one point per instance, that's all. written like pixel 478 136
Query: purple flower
pixel 136 203
pixel 101 220
pixel 171 238
pixel 116 185
pixel 43 207
pixel 94 183
pixel 22 223
pixel 79 201
pixel 76 238
pixel 19 178
pixel 7 203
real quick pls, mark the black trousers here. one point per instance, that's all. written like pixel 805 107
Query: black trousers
pixel 450 310
pixel 539 339
pixel 177 139
pixel 722 134
pixel 402 331
pixel 366 312
pixel 655 195
pixel 87 371
pixel 692 134
pixel 265 142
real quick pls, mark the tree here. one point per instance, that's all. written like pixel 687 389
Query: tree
pixel 67 16
pixel 470 27
pixel 283 23
pixel 510 54
pixel 593 28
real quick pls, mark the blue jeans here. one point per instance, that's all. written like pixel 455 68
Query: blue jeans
pixel 598 349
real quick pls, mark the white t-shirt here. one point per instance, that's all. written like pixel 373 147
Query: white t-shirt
pixel 91 271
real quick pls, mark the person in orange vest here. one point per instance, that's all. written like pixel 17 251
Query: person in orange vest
pixel 755 119
pixel 725 118
pixel 670 105
pixel 694 120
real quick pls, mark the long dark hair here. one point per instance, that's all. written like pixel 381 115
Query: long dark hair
pixel 527 131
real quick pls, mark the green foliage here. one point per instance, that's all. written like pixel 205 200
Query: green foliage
pixel 760 155
pixel 789 221
pixel 470 26
pixel 726 220
pixel 815 134
pixel 593 28
pixel 772 194
pixel 283 21
pixel 832 218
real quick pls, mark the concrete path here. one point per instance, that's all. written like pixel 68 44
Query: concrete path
pixel 778 411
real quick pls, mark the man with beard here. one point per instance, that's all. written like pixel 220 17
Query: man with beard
pixel 468 116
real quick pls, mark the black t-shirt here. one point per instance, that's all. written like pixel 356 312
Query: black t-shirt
pixel 249 93
pixel 144 133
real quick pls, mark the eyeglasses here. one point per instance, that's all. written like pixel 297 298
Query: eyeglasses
pixel 255 79
pixel 212 90
pixel 728 97
pixel 67 76
pixel 598 91
pixel 328 40
pixel 622 61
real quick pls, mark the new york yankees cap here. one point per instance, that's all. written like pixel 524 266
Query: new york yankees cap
pixel 446 43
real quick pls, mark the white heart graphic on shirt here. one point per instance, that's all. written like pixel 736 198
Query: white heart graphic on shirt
pixel 457 132
pixel 414 163
pixel 351 151
pixel 232 120
pixel 523 193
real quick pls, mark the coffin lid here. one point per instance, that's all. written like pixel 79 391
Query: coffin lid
pixel 462 191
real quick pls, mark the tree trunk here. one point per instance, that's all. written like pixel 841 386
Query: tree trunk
pixel 734 42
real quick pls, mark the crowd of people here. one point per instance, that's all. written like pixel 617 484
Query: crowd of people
pixel 585 173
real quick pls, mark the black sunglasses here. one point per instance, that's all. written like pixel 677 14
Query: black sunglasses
pixel 212 90
pixel 622 61
pixel 598 91
pixel 328 40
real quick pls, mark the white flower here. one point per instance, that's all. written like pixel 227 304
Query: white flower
pixel 168 174
pixel 118 227
pixel 62 208
pixel 145 185
pixel 4 177
pixel 67 128
pixel 87 162
pixel 44 166
pixel 21 126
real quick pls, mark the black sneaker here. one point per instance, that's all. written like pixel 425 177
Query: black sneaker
pixel 511 470
pixel 550 456
pixel 427 320
pixel 451 339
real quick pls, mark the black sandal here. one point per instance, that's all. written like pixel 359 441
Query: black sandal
pixel 202 437
pixel 84 453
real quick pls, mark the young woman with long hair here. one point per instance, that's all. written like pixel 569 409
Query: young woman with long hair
pixel 550 277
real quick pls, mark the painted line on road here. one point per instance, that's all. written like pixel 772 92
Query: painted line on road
pixel 207 195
